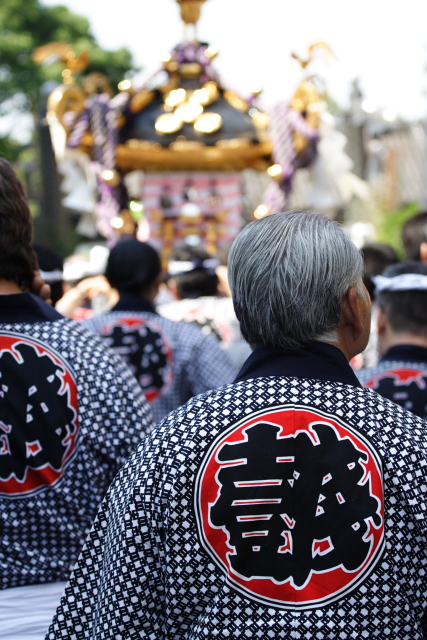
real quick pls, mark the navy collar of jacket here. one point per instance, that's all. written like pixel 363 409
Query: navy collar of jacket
pixel 315 361
pixel 26 307
pixel 406 352
pixel 131 302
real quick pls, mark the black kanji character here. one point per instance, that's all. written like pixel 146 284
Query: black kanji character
pixel 144 350
pixel 409 396
pixel 291 506
pixel 35 420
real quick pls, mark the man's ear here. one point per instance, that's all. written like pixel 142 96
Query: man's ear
pixel 423 252
pixel 351 315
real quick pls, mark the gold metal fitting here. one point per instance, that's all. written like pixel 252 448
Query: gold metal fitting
pixel 191 10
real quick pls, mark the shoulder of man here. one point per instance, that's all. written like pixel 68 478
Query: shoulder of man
pixel 363 410
pixel 96 370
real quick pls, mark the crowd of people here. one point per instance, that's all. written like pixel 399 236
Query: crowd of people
pixel 183 464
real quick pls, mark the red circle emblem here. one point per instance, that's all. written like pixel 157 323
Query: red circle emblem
pixel 400 377
pixel 39 423
pixel 146 349
pixel 289 503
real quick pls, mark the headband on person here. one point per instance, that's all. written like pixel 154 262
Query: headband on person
pixel 52 276
pixel 403 282
pixel 178 267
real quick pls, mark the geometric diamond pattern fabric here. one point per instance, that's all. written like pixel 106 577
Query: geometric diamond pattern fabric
pixel 145 571
pixel 400 380
pixel 200 364
pixel 42 532
pixel 214 314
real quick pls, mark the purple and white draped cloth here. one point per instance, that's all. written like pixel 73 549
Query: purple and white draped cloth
pixel 284 124
pixel 100 117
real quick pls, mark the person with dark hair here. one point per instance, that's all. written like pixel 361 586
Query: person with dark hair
pixel 51 267
pixel 376 258
pixel 70 415
pixel 289 504
pixel 401 374
pixel 414 238
pixel 172 361
pixel 192 273
pixel 194 284
pixel 18 259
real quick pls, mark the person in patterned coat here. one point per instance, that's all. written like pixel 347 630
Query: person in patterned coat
pixel 288 504
pixel 172 361
pixel 194 284
pixel 70 415
pixel 401 374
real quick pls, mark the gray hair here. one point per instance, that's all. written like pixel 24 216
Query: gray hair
pixel 288 274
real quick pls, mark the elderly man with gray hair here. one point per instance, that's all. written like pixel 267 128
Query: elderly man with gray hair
pixel 289 504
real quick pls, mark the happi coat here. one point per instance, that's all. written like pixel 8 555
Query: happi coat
pixel 289 504
pixel 172 361
pixel 70 415
pixel 215 316
pixel 401 376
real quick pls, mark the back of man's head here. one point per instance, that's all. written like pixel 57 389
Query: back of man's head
pixel 288 274
pixel 193 270
pixel 414 233
pixel 17 257
pixel 406 309
pixel 133 266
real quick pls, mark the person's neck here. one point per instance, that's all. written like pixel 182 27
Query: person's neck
pixel 148 296
pixel 343 340
pixel 395 340
pixel 8 287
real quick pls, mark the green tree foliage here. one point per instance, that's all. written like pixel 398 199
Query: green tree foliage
pixel 390 226
pixel 9 149
pixel 27 24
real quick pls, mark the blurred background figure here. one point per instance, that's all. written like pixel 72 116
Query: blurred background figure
pixel 414 238
pixel 401 375
pixel 86 298
pixel 376 258
pixel 51 267
pixel 172 361
pixel 194 284
pixel 70 415
pixel 87 291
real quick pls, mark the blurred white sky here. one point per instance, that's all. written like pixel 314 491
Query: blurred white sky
pixel 384 43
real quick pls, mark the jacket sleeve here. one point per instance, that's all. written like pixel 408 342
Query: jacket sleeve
pixel 117 589
pixel 209 367
pixel 113 411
